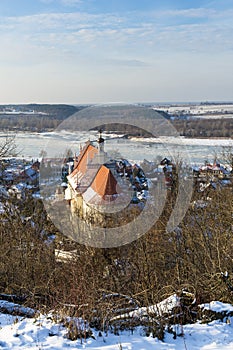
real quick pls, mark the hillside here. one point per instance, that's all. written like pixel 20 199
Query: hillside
pixel 35 117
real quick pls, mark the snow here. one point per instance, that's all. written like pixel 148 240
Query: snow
pixel 217 306
pixel 135 149
pixel 209 111
pixel 10 307
pixel 181 140
pixel 161 308
pixel 42 332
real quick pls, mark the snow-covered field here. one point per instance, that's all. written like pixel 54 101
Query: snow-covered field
pixel 210 111
pixel 42 333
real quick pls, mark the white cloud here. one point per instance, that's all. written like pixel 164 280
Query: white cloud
pixel 193 13
pixel 88 37
pixel 130 25
pixel 124 32
pixel 190 13
pixel 106 52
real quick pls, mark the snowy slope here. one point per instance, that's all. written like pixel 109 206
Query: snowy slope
pixel 43 333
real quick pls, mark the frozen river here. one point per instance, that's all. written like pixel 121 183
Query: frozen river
pixel 55 144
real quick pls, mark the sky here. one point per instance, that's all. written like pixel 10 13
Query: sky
pixel 115 51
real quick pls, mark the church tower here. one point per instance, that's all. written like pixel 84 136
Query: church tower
pixel 101 154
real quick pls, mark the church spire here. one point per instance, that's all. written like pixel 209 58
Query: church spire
pixel 101 141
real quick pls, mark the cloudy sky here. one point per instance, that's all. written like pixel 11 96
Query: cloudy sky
pixel 101 51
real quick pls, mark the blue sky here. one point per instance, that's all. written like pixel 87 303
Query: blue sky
pixel 101 51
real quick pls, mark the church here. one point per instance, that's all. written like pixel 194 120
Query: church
pixel 98 186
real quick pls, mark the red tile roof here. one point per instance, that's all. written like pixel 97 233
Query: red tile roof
pixel 103 189
pixel 87 154
pixel 104 183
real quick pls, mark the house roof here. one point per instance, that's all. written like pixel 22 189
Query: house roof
pixel 87 154
pixel 104 182
pixel 104 187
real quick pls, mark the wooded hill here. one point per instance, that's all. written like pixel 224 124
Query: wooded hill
pixel 35 117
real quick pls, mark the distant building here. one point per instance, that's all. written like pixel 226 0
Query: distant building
pixel 210 175
pixel 30 174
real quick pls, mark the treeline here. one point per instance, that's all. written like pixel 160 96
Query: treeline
pixel 124 129
pixel 204 127
pixel 45 116
pixel 185 127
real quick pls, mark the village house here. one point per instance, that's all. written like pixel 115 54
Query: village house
pixel 211 175
pixel 215 170
pixel 30 174
pixel 19 177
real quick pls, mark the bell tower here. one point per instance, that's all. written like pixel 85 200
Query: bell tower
pixel 101 154
pixel 100 142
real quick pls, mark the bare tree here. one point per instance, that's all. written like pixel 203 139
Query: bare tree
pixel 227 155
pixel 8 146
